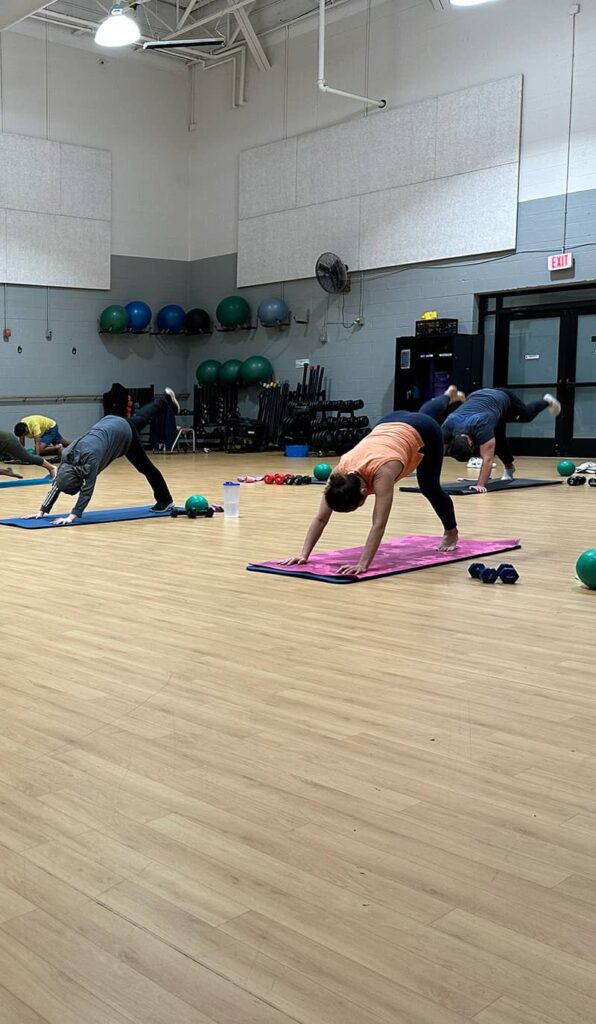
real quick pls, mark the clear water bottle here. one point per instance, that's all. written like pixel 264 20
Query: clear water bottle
pixel 231 491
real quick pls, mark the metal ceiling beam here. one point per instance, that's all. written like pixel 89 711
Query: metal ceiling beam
pixel 191 6
pixel 13 11
pixel 219 13
pixel 252 40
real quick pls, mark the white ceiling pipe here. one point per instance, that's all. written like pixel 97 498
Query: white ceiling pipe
pixel 321 79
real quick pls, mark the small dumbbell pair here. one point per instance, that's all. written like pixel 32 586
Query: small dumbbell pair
pixel 577 481
pixel 505 572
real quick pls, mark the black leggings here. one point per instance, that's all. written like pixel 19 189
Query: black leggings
pixel 136 454
pixel 15 450
pixel 426 423
pixel 519 412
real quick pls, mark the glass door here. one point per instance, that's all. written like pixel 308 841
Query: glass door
pixel 528 359
pixel 582 387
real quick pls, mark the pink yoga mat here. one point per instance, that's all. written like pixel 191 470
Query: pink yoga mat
pixel 403 554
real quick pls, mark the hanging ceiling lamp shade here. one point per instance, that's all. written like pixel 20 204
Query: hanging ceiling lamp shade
pixel 119 29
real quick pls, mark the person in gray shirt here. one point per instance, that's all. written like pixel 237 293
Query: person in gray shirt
pixel 113 436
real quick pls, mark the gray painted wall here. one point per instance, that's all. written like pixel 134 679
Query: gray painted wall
pixel 49 367
pixel 359 362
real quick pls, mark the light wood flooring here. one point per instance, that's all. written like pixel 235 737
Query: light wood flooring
pixel 228 798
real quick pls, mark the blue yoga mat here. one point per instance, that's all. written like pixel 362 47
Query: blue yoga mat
pixel 26 483
pixel 110 515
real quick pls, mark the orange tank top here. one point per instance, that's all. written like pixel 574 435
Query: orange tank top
pixel 388 442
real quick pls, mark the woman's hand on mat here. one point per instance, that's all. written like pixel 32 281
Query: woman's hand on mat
pixel 449 542
pixel 478 488
pixel 64 520
pixel 298 560
pixel 351 570
pixel 37 515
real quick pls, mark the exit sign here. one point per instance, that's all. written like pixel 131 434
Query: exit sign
pixel 562 261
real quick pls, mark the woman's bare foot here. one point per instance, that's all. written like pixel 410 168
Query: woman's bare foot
pixel 460 397
pixel 452 393
pixel 9 471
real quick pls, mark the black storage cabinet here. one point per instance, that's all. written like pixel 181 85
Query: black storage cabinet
pixel 424 367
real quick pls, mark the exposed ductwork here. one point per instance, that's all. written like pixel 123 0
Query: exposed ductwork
pixel 321 79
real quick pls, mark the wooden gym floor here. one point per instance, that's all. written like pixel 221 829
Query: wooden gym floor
pixel 241 799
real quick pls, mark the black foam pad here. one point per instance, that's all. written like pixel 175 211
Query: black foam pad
pixel 493 485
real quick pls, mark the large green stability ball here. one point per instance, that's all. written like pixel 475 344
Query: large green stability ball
pixel 322 471
pixel 113 320
pixel 234 311
pixel 230 371
pixel 256 370
pixel 566 468
pixel 196 503
pixel 208 371
pixel 586 568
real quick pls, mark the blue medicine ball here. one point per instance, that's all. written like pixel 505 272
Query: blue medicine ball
pixel 273 312
pixel 139 315
pixel 171 319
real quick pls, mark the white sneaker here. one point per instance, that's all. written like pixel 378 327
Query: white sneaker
pixel 554 406
pixel 171 396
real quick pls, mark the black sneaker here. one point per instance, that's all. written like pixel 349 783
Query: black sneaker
pixel 171 397
pixel 162 506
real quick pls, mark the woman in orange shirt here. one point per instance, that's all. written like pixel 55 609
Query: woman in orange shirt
pixel 400 443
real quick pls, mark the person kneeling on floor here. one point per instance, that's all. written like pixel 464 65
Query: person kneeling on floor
pixel 113 436
pixel 400 443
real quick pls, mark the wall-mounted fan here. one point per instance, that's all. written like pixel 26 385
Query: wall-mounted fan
pixel 332 274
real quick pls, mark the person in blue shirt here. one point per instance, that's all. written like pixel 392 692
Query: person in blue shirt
pixel 478 427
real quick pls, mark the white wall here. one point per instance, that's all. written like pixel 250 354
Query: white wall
pixel 131 104
pixel 415 52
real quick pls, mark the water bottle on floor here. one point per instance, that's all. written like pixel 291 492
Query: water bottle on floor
pixel 231 491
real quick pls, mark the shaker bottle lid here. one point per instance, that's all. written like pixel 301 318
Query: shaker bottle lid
pixel 231 483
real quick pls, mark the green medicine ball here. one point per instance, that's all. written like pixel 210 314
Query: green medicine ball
pixel 566 468
pixel 232 312
pixel 586 568
pixel 256 370
pixel 208 371
pixel 113 320
pixel 230 371
pixel 322 471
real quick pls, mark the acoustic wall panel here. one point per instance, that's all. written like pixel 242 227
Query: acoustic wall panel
pixel 63 252
pixel 268 179
pixel 436 220
pixel 55 212
pixel 29 173
pixel 434 180
pixel 382 151
pixel 86 182
pixel 277 241
pixel 478 127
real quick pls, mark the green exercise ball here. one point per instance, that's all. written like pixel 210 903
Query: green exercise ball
pixel 256 370
pixel 586 568
pixel 196 503
pixel 208 371
pixel 232 312
pixel 230 371
pixel 113 320
pixel 566 468
pixel 322 471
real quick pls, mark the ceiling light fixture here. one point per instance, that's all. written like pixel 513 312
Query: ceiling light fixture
pixel 119 29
